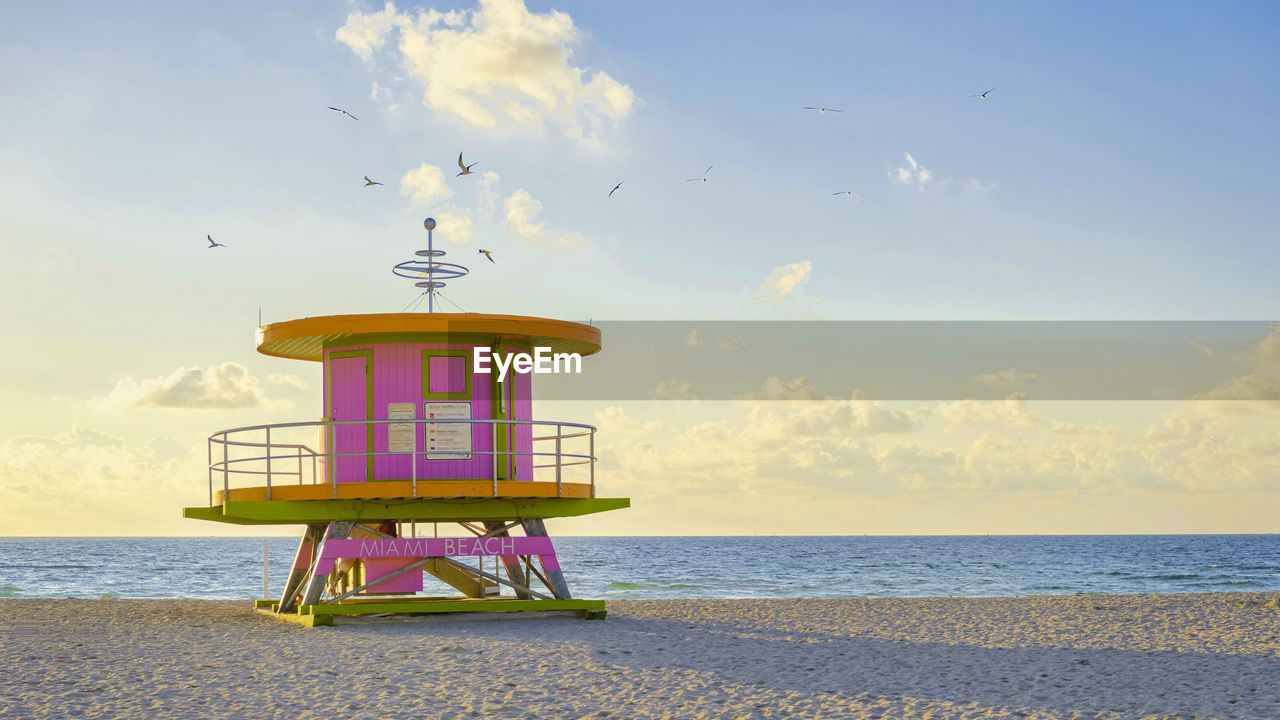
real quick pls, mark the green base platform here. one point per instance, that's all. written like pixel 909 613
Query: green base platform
pixel 313 615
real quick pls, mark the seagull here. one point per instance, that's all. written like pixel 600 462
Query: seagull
pixel 703 178
pixel 368 182
pixel 213 244
pixel 615 187
pixel 822 109
pixel 488 254
pixel 982 96
pixel 850 194
pixel 466 169
pixel 344 112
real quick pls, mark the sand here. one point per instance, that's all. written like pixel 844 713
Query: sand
pixel 1106 656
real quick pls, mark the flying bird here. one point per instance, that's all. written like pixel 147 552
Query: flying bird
pixel 850 194
pixel 344 112
pixel 822 109
pixel 703 178
pixel 213 244
pixel 615 187
pixel 466 169
pixel 489 254
pixel 982 96
pixel 368 182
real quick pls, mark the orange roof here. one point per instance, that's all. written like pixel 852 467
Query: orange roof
pixel 307 338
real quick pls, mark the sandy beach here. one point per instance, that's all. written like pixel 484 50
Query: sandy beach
pixel 1105 656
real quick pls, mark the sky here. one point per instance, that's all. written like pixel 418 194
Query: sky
pixel 1121 168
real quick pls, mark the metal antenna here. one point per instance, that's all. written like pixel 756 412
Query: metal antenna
pixel 429 267
pixel 430 225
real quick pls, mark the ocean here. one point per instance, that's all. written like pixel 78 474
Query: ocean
pixel 696 567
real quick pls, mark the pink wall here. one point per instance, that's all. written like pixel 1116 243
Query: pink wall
pixel 349 403
pixel 397 378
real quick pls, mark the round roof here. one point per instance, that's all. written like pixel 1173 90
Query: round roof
pixel 307 338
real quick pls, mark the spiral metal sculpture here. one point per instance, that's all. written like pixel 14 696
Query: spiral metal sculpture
pixel 426 266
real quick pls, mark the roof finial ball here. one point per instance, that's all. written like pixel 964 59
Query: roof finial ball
pixel 429 224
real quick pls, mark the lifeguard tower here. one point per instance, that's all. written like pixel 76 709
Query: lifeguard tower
pixel 414 444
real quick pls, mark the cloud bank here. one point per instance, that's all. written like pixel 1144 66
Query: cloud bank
pixel 218 387
pixel 498 66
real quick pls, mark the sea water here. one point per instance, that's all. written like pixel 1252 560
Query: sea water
pixel 696 567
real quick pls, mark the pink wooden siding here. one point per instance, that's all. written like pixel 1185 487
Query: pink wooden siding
pixel 375 568
pixel 397 378
pixel 522 409
pixel 347 383
pixel 448 374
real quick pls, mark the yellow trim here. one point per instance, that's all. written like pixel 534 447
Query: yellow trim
pixel 404 489
pixel 305 339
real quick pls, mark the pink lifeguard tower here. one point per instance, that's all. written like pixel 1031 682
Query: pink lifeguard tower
pixel 414 440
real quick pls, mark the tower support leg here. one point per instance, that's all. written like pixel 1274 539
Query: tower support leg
pixel 511 562
pixel 338 530
pixel 534 527
pixel 302 563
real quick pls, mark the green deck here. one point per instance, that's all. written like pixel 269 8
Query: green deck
pixel 292 512
pixel 313 615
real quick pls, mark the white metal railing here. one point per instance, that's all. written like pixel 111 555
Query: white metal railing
pixel 241 451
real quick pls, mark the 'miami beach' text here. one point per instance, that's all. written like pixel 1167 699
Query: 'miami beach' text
pixel 540 362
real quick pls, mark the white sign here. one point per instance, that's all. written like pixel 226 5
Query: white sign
pixel 400 436
pixel 452 440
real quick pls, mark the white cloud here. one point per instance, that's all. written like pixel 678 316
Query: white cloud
pixel 783 282
pixel 1240 461
pixel 489 192
pixel 911 458
pixel 1095 429
pixel 781 467
pixel 366 33
pixel 994 462
pixel 976 185
pixel 225 386
pixel 616 419
pixel 520 210
pixel 854 417
pixel 672 390
pixel 378 92
pixel 1262 385
pixel 777 389
pixel 498 66
pixel 729 343
pixel 455 228
pixel 913 173
pixel 425 184
pixel 1010 411
pixel 1176 426
pixel 287 380
pixel 1007 378
pixel 91 483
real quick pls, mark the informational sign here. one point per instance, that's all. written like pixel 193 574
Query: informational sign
pixel 400 436
pixel 451 440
